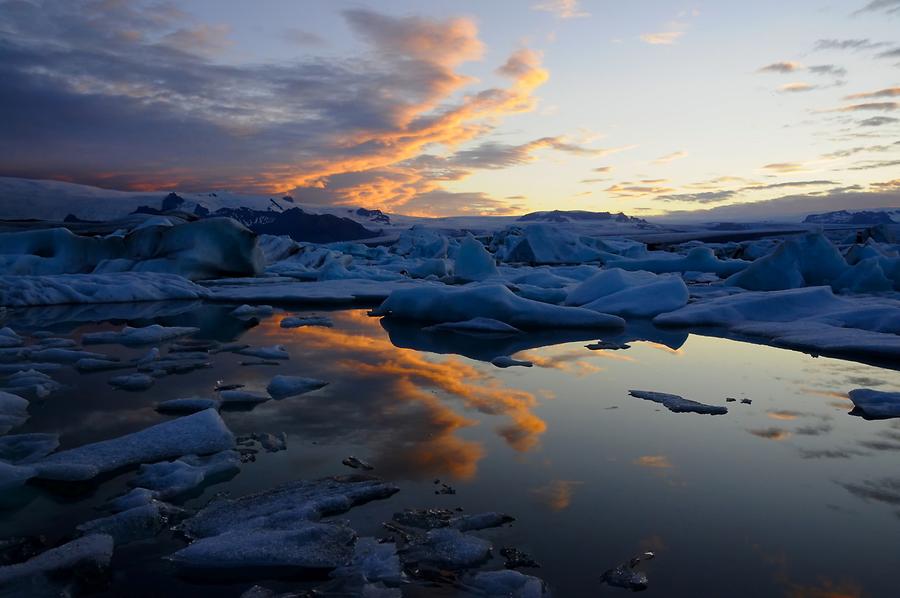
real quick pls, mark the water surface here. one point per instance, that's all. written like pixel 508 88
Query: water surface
pixel 785 496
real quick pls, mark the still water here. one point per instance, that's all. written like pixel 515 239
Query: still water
pixel 786 495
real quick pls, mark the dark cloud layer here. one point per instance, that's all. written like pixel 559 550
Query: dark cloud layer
pixel 127 95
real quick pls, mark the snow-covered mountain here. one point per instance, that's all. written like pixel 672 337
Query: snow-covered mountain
pixel 885 216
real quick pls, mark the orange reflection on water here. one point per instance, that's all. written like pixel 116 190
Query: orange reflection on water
pixel 361 348
pixel 557 495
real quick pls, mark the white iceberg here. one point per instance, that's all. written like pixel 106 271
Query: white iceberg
pixel 494 301
pixel 138 336
pixel 630 294
pixel 199 434
pixel 677 404
pixel 282 387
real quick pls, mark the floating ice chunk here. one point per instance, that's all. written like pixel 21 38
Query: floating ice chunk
pixel 419 241
pixel 476 326
pixel 298 321
pixel 473 262
pixel 282 387
pixel 436 518
pixel 138 336
pixel 698 259
pixel 242 397
pixel 505 361
pixel 271 443
pixel 148 357
pixel 14 476
pixel 607 345
pixel 9 338
pixel 100 365
pixel 449 304
pixel 40 366
pixel 134 382
pixel 30 381
pixel 810 260
pixel 372 561
pixel 508 584
pixel 447 548
pixel 187 405
pixel 199 434
pixel 57 343
pixel 21 449
pixel 246 311
pixel 305 545
pixel 286 506
pixel 875 404
pixel 635 294
pixel 677 404
pixel 273 352
pixel 55 355
pixel 139 523
pixel 357 463
pixel 121 287
pixel 625 576
pixel 136 497
pixel 175 479
pixel 13 411
pixel 89 552
pixel 543 244
pixel 431 267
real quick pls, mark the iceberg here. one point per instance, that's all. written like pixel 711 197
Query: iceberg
pixel 282 387
pixel 494 301
pixel 13 411
pixel 200 434
pixel 630 294
pixel 93 551
pixel 123 287
pixel 677 404
pixel 473 262
pixel 875 404
pixel 138 336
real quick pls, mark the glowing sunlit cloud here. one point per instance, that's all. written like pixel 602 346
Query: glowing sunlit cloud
pixel 797 87
pixel 783 415
pixel 889 92
pixel 786 66
pixel 671 157
pixel 663 38
pixel 563 9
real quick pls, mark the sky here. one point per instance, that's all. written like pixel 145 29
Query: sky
pixel 437 108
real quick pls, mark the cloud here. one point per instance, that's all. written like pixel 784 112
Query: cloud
pixel 878 121
pixel 702 197
pixel 795 207
pixel 869 106
pixel 124 95
pixel 563 9
pixel 796 87
pixel 848 44
pixel 888 92
pixel 784 167
pixel 556 495
pixel 302 37
pixel 661 38
pixel 828 69
pixel 628 189
pixel 873 164
pixel 671 157
pixel 786 66
pixel 860 149
pixel 771 433
pixel 887 6
pixel 895 53
pixel 603 169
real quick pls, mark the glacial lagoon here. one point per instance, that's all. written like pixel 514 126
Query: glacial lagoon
pixel 785 495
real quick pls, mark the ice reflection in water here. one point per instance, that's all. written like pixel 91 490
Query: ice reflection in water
pixel 786 496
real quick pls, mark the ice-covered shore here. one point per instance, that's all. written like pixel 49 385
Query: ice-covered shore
pixel 831 291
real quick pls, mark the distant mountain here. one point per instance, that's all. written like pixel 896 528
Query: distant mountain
pixel 299 225
pixel 577 216
pixel 845 217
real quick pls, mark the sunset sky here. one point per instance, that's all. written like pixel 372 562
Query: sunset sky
pixel 464 107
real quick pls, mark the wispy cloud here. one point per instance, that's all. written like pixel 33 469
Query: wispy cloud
pixel 887 6
pixel 671 157
pixel 848 44
pixel 878 121
pixel 786 66
pixel 796 87
pixel 563 9
pixel 888 92
pixel 661 38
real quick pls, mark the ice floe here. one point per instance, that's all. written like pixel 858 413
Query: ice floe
pixel 93 551
pixel 677 404
pixel 13 411
pixel 282 387
pixel 875 404
pixel 138 336
pixel 453 304
pixel 202 433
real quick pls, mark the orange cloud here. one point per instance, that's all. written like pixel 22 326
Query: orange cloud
pixel 557 495
pixel 654 461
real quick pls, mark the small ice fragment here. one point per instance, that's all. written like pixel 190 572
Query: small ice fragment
pixel 355 463
pixel 299 321
pixel 677 404
pixel 134 382
pixel 504 361
pixel 282 387
pixel 273 352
